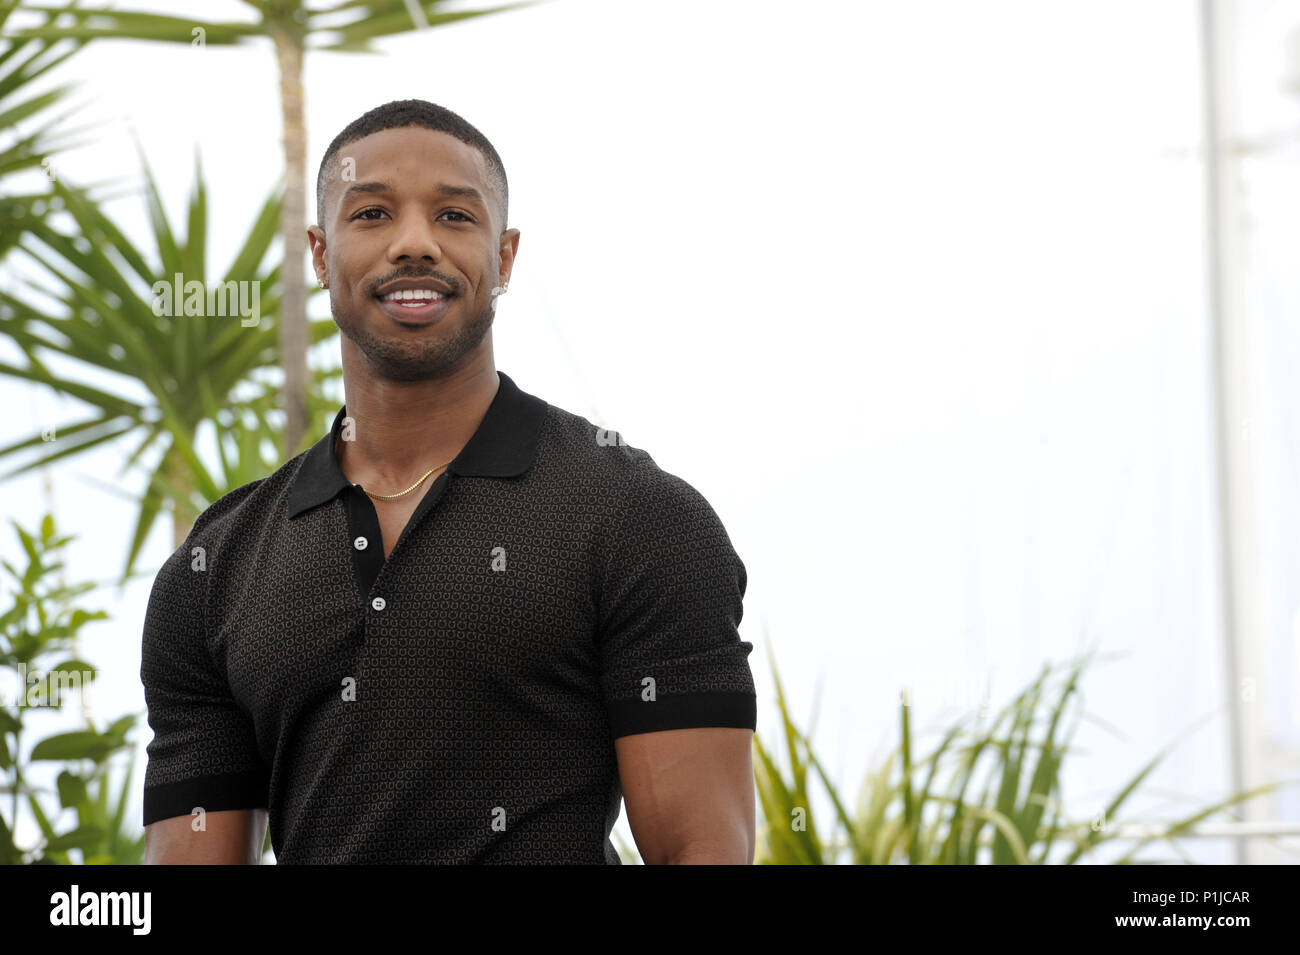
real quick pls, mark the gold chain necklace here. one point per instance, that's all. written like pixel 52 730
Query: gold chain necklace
pixel 393 497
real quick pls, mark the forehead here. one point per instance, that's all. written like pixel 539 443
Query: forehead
pixel 412 156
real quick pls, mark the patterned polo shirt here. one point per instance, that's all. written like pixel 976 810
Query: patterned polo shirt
pixel 458 701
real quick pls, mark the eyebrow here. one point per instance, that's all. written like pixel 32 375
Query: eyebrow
pixel 442 188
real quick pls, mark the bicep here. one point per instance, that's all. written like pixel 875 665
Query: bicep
pixel 689 790
pixel 227 837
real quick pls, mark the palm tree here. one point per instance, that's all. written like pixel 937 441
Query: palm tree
pixel 192 371
pixel 293 27
pixel 22 63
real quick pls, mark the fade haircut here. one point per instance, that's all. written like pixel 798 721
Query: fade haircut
pixel 411 112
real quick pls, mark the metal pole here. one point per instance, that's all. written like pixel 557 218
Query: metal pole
pixel 1230 398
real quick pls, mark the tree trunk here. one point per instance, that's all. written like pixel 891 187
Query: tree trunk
pixel 183 513
pixel 293 233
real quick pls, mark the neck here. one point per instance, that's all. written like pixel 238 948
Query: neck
pixel 402 429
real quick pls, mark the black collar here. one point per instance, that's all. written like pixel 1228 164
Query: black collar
pixel 503 446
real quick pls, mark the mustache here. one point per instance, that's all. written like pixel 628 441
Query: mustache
pixel 416 274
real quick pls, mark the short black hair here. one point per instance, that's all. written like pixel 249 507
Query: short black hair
pixel 411 112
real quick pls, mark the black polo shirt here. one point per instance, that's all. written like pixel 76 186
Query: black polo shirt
pixel 457 702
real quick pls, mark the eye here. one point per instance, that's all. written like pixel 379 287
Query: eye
pixel 449 212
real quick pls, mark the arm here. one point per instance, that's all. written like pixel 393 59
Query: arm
pixel 231 837
pixel 204 748
pixel 677 685
pixel 690 795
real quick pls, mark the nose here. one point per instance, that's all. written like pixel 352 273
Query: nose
pixel 413 238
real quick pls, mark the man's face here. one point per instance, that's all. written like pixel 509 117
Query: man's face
pixel 415 209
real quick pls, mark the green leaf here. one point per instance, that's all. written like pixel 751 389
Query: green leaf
pixel 130 25
pixel 41 819
pixel 72 789
pixel 391 17
pixel 120 727
pixel 79 744
pixel 83 837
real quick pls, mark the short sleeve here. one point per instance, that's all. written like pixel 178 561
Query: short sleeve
pixel 670 602
pixel 203 752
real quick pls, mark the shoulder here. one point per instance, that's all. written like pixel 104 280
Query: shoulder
pixel 610 465
pixel 254 501
pixel 647 516
pixel 181 586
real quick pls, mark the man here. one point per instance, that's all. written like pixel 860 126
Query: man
pixel 466 622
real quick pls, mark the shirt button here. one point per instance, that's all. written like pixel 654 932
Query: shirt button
pixel 360 543
pixel 378 603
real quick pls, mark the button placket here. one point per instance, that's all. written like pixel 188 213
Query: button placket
pixel 363 532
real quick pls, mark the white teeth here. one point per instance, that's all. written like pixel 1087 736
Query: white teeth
pixel 413 294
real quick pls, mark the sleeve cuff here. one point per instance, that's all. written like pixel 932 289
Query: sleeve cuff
pixel 247 790
pixel 683 711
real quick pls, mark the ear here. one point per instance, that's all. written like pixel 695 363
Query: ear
pixel 509 248
pixel 316 240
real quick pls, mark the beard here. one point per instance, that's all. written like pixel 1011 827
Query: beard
pixel 435 352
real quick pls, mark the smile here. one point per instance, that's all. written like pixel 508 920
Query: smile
pixel 417 295
pixel 414 306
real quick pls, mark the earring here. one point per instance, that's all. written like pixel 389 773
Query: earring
pixel 500 289
pixel 322 283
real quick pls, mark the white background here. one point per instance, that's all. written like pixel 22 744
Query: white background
pixel 913 293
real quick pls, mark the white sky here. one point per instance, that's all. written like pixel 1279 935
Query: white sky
pixel 911 292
